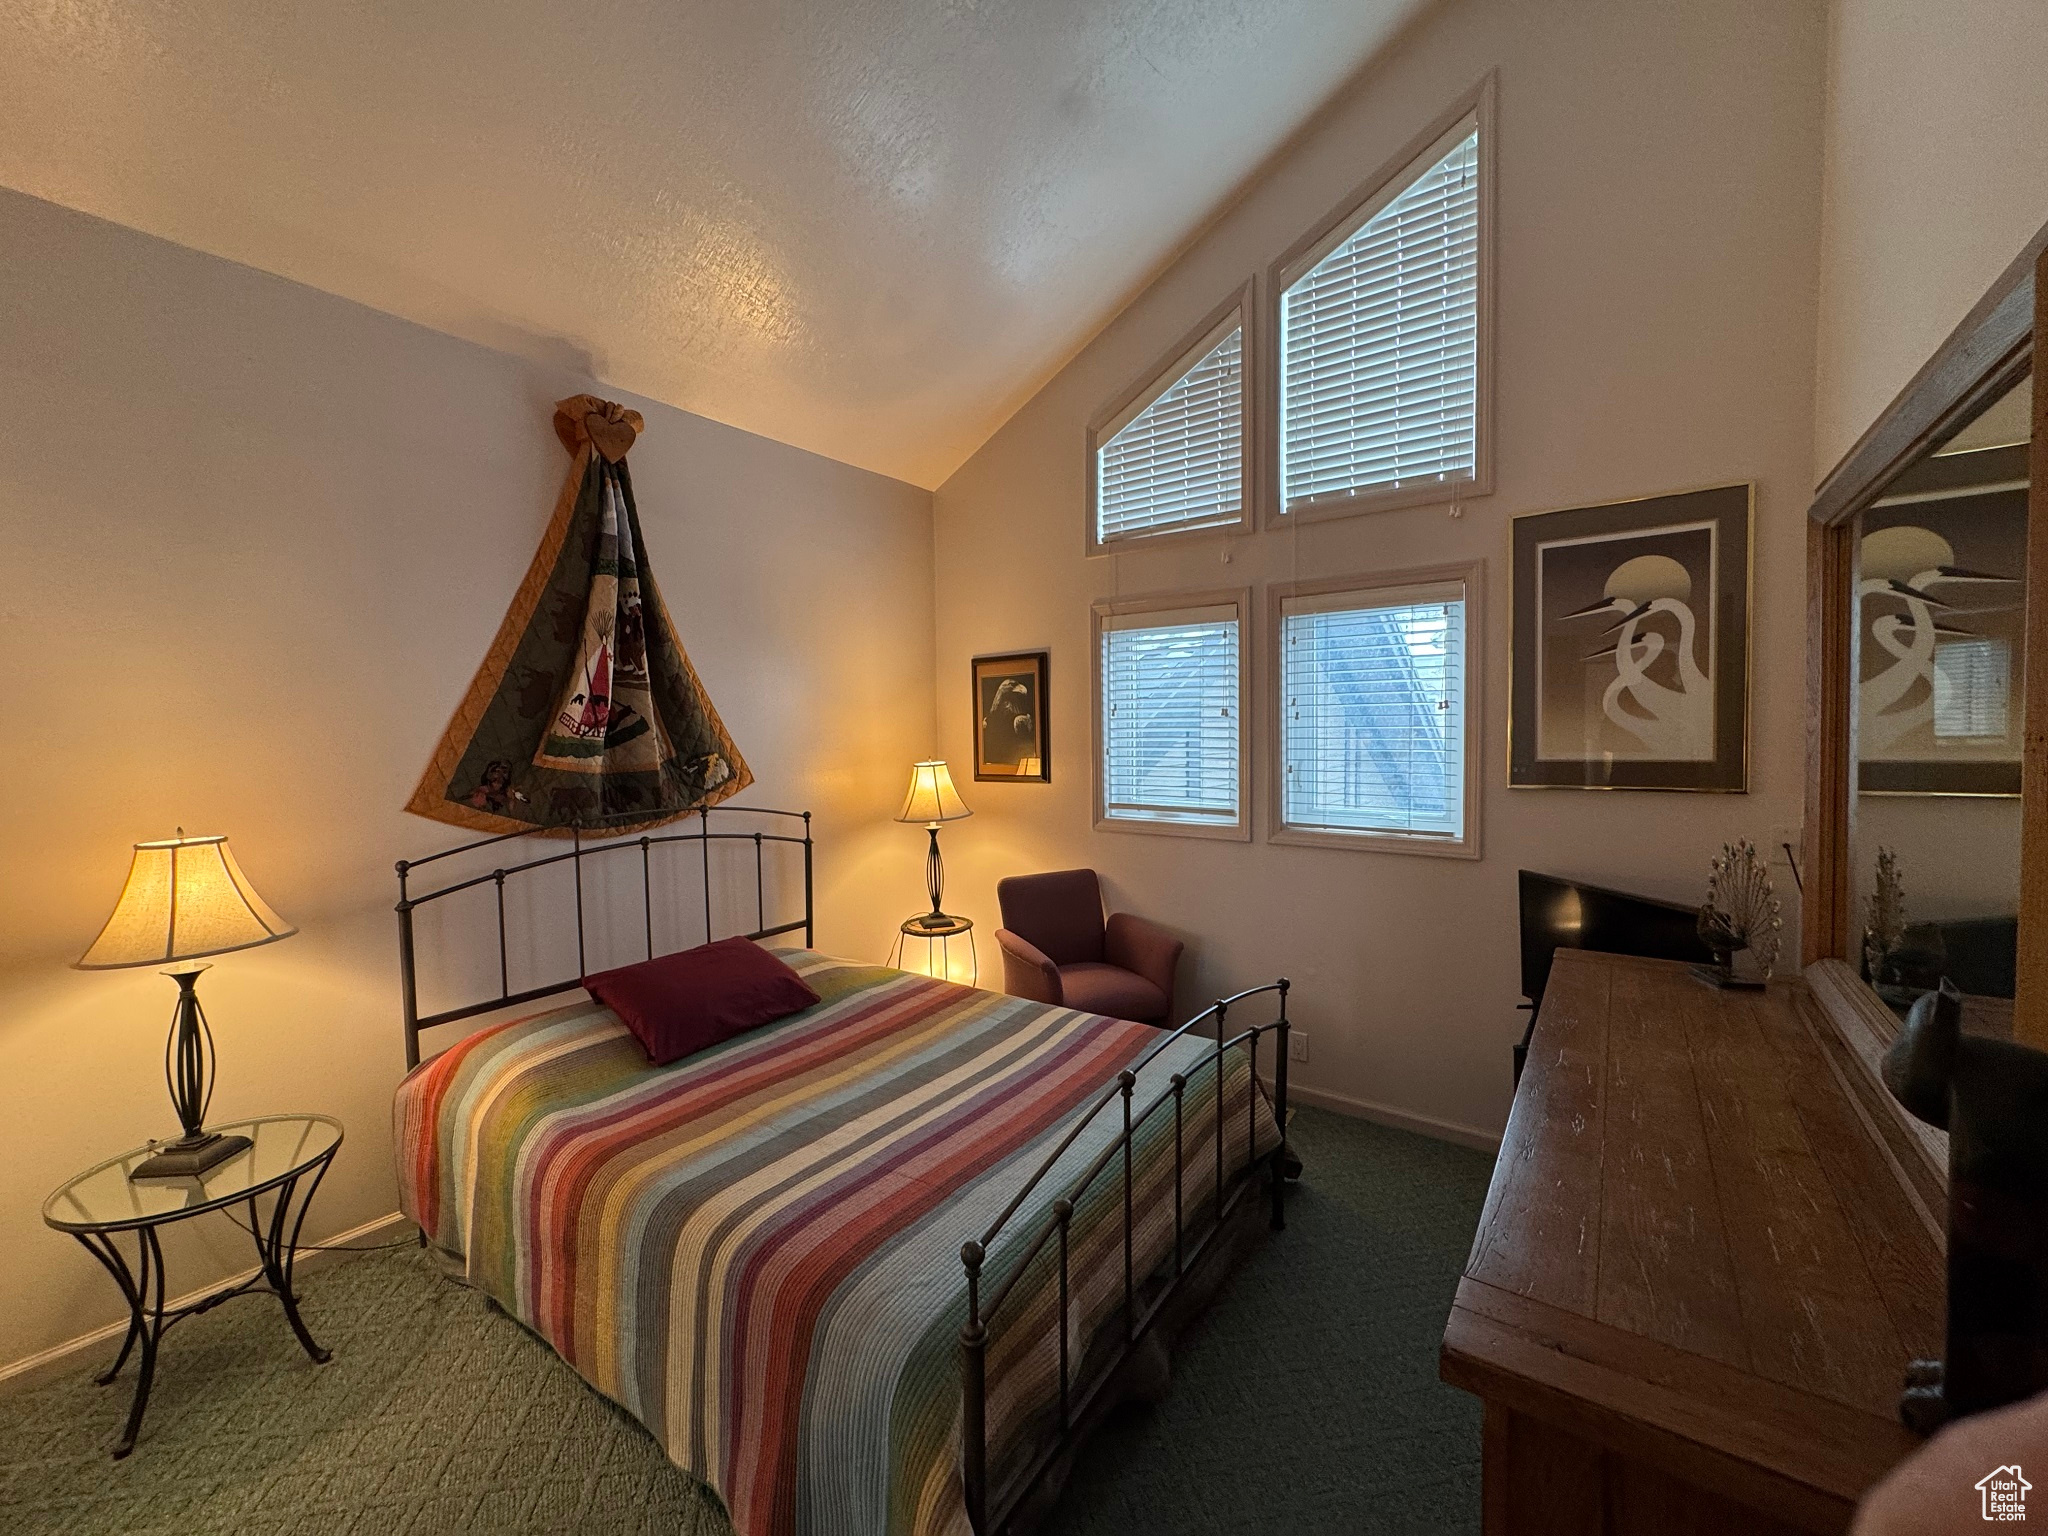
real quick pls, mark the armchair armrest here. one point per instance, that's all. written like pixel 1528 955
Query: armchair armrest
pixel 1027 971
pixel 1142 946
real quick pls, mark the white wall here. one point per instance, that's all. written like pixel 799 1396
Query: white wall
pixel 1659 178
pixel 1936 175
pixel 257 540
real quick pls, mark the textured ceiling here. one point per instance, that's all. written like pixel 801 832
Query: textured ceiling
pixel 866 227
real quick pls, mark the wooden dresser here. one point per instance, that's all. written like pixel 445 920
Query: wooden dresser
pixel 1701 1270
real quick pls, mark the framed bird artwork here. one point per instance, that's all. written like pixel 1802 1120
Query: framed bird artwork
pixel 1940 593
pixel 1630 652
pixel 1010 735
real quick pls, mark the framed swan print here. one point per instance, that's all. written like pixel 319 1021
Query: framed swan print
pixel 1941 564
pixel 1630 660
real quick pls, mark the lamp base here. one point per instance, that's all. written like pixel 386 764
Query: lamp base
pixel 189 1156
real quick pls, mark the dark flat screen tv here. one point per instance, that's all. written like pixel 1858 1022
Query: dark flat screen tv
pixel 1569 914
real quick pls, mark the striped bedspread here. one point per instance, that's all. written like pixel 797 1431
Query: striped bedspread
pixel 755 1250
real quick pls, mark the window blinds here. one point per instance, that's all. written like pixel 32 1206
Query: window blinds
pixel 1179 463
pixel 1972 689
pixel 1373 723
pixel 1380 343
pixel 1171 715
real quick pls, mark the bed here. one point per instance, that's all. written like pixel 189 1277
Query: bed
pixel 872 1268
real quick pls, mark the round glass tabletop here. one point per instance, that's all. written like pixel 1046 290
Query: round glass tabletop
pixel 944 926
pixel 104 1197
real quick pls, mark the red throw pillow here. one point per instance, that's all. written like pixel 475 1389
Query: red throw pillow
pixel 679 1004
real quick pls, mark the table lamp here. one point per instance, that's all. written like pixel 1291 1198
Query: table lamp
pixel 932 799
pixel 185 898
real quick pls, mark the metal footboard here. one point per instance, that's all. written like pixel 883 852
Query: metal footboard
pixel 1137 1317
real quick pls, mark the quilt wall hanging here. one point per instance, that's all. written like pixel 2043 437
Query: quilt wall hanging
pixel 586 713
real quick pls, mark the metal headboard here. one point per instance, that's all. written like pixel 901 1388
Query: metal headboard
pixel 577 851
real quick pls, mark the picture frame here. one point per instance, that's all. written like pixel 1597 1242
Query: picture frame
pixel 1940 596
pixel 1012 737
pixel 1629 659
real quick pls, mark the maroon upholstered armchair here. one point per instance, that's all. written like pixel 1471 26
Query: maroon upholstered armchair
pixel 1057 949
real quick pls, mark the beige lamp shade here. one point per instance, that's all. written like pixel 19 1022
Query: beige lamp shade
pixel 185 898
pixel 932 796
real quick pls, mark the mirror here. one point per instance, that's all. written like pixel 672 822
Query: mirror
pixel 1937 582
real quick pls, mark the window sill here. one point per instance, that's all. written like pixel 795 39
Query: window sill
pixel 1227 831
pixel 1238 527
pixel 1392 500
pixel 1377 842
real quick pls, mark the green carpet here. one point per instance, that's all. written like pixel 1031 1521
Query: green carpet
pixel 1305 1401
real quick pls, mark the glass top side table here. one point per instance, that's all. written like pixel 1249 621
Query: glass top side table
pixel 936 929
pixel 286 1159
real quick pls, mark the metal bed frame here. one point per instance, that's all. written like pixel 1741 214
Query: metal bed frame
pixel 989 1511
pixel 1138 1317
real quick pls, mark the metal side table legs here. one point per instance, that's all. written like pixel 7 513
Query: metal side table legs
pixel 136 1288
pixel 276 1238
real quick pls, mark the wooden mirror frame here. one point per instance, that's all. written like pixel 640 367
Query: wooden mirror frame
pixel 1985 356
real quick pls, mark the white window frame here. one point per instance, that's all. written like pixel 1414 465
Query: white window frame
pixel 1239 598
pixel 1471 574
pixel 1239 311
pixel 1476 108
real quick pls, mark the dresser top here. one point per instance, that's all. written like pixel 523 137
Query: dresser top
pixel 1696 1243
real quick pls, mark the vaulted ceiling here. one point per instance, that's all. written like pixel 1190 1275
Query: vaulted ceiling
pixel 866 227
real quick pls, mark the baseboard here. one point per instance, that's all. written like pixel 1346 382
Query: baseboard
pixel 1399 1119
pixel 62 1358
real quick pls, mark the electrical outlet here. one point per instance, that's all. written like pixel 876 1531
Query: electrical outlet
pixel 1297 1045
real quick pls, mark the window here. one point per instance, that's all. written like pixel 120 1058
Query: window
pixel 1170 458
pixel 1375 715
pixel 1170 696
pixel 1972 687
pixel 1382 339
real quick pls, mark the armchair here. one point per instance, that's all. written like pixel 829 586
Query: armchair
pixel 1057 949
